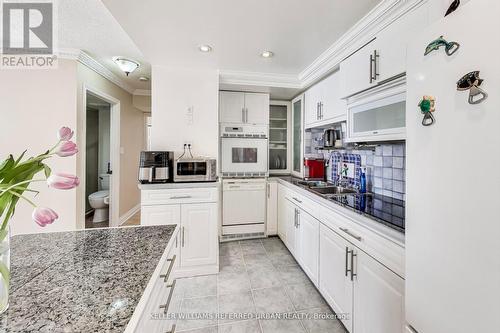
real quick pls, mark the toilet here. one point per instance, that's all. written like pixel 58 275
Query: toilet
pixel 100 200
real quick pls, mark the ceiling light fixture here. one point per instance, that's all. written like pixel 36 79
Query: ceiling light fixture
pixel 143 78
pixel 205 48
pixel 126 65
pixel 267 54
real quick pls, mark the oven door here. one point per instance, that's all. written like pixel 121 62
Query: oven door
pixel 244 157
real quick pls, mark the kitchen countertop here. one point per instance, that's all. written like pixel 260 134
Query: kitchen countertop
pixel 167 186
pixel 364 220
pixel 81 281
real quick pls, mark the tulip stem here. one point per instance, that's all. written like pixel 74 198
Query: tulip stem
pixel 23 197
pixel 8 189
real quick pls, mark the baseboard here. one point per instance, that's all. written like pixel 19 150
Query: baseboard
pixel 125 217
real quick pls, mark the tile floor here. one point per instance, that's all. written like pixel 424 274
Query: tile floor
pixel 256 277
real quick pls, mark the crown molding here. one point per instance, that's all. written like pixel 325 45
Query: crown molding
pixel 384 14
pixel 86 60
pixel 142 92
pixel 259 79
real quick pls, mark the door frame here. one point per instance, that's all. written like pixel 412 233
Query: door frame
pixel 114 207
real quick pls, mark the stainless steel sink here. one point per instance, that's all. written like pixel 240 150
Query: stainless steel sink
pixel 332 190
pixel 314 183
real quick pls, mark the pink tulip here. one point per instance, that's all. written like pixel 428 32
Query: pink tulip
pixel 67 148
pixel 65 134
pixel 43 216
pixel 63 181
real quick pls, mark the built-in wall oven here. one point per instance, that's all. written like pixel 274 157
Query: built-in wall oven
pixel 244 151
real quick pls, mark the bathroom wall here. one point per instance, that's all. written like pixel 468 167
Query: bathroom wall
pixel 104 141
pixel 92 154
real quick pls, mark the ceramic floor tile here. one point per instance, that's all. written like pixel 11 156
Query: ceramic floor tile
pixel 233 282
pixel 304 296
pixel 321 320
pixel 230 249
pixel 282 326
pixel 282 259
pixel 292 275
pixel 271 300
pixel 195 306
pixel 256 260
pixel 236 307
pixel 231 264
pixel 253 249
pixel 251 326
pixel 263 276
pixel 200 286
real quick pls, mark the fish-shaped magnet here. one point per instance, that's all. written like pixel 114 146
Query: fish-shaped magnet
pixel 450 47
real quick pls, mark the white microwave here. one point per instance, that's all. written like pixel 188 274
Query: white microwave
pixel 244 154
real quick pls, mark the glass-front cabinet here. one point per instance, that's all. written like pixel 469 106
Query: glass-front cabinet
pixel 297 136
pixel 279 137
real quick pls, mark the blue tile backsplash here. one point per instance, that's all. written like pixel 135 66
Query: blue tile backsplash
pixel 385 168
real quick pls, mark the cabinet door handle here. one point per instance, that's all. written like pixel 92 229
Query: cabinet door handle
pixel 347 270
pixel 246 115
pixel 242 115
pixel 351 234
pixel 295 217
pixel 321 110
pixel 268 191
pixel 371 68
pixel 294 198
pixel 352 265
pixel 180 197
pixel 298 218
pixel 182 240
pixel 169 270
pixel 172 330
pixel 376 74
pixel 169 299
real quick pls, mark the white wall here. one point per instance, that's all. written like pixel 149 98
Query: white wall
pixel 34 104
pixel 174 93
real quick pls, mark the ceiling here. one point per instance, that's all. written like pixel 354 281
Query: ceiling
pixel 297 31
pixel 89 26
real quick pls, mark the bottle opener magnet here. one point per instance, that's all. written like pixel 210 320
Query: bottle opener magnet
pixel 450 47
pixel 427 105
pixel 471 81
pixel 454 5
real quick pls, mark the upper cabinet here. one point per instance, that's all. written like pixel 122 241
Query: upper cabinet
pixel 324 103
pixel 385 56
pixel 244 108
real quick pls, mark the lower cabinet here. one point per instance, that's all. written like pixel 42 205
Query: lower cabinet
pixel 272 208
pixel 378 298
pixel 355 285
pixel 334 275
pixel 307 244
pixel 198 223
pixel 199 234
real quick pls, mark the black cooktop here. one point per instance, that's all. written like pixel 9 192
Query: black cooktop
pixel 386 210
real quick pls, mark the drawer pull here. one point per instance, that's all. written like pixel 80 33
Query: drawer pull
pixel 351 234
pixel 172 330
pixel 169 299
pixel 180 197
pixel 294 198
pixel 169 270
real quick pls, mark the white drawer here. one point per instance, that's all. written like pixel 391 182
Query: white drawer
pixel 179 196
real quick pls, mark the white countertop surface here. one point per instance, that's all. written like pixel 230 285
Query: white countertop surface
pixel 166 186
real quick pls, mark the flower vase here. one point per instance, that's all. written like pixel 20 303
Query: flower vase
pixel 4 269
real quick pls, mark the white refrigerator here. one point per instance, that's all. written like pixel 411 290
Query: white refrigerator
pixel 453 178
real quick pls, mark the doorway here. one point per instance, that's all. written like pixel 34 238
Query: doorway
pixel 101 160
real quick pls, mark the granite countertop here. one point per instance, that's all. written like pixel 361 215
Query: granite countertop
pixel 365 220
pixel 81 281
pixel 167 186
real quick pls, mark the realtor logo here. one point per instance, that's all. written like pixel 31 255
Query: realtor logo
pixel 27 34
pixel 27 28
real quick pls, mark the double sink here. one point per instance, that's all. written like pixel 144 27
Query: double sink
pixel 325 189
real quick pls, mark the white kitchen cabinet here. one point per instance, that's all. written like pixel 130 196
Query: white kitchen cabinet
pixel 307 244
pixel 280 153
pixel 289 221
pixel 199 234
pixel 160 215
pixel 378 298
pixel 232 107
pixel 357 70
pixel 324 103
pixel 297 136
pixel 196 212
pixel 272 208
pixel 282 214
pixel 334 278
pixel 244 108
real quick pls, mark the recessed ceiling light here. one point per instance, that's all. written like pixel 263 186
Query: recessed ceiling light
pixel 267 54
pixel 143 78
pixel 126 65
pixel 205 48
